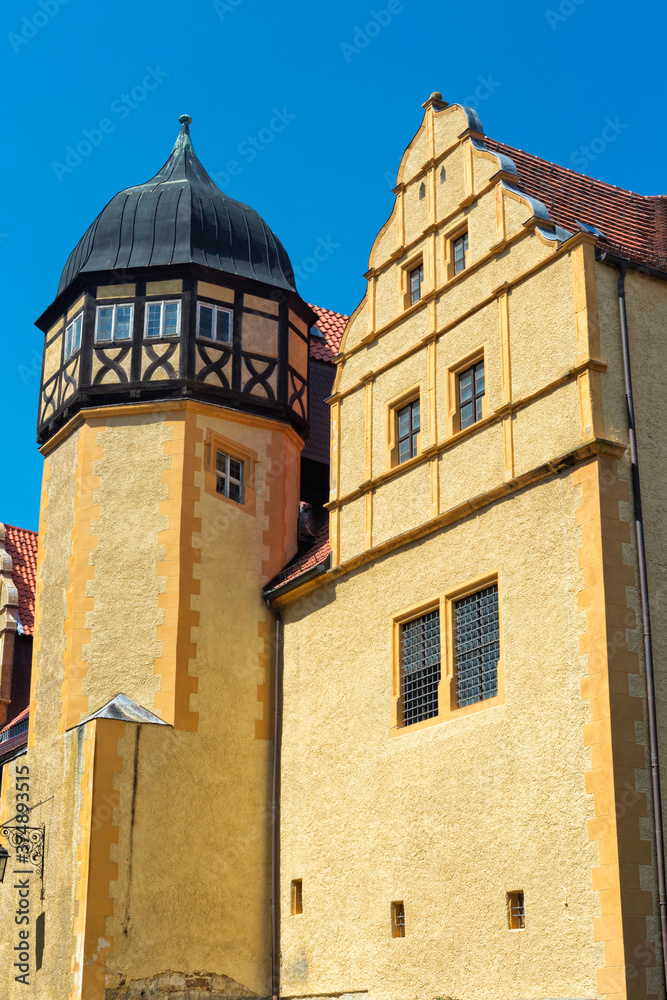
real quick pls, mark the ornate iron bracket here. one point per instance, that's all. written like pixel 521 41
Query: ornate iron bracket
pixel 28 842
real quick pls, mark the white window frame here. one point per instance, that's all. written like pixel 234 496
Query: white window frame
pixel 216 309
pixel 163 312
pixel 73 344
pixel 227 478
pixel 114 338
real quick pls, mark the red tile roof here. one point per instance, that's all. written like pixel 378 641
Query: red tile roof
pixel 315 556
pixel 331 325
pixel 16 740
pixel 635 225
pixel 21 717
pixel 21 545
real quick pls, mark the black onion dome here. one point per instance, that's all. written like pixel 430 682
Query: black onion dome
pixel 178 217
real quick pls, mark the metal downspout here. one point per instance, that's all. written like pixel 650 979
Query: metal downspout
pixel 275 805
pixel 646 623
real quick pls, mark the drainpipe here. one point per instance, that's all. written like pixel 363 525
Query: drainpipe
pixel 646 622
pixel 275 805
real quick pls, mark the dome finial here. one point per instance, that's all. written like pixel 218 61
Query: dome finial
pixel 185 119
pixel 183 140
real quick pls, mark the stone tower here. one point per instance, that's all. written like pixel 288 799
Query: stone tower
pixel 173 410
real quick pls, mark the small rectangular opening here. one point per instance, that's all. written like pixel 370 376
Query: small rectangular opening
pixel 397 920
pixel 515 911
pixel 297 896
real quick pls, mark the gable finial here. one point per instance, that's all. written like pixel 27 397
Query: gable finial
pixel 435 101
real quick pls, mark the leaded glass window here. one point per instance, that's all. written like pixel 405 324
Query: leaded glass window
pixel 420 667
pixel 476 646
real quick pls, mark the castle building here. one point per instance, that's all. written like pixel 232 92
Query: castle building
pixel 396 737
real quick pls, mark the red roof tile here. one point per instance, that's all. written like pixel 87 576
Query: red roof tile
pixel 21 545
pixel 318 553
pixel 21 717
pixel 331 326
pixel 634 225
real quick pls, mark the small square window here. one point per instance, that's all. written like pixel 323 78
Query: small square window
pixel 73 336
pixel 516 912
pixel 460 249
pixel 229 477
pixel 397 920
pixel 297 897
pixel 420 667
pixel 162 319
pixel 114 323
pixel 471 389
pixel 407 431
pixel 416 277
pixel 476 646
pixel 214 323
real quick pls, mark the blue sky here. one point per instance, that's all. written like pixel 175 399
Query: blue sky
pixel 313 103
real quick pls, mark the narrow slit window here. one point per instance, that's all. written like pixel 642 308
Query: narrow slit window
pixel 422 191
pixel 407 431
pixel 420 667
pixel 472 387
pixel 297 896
pixel 477 646
pixel 73 336
pixel 460 251
pixel 162 319
pixel 214 323
pixel 229 477
pixel 397 920
pixel 516 911
pixel 113 323
pixel 443 175
pixel 416 280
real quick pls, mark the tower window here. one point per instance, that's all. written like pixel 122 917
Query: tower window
pixel 471 395
pixel 407 436
pixel 113 323
pixel 229 476
pixel 516 912
pixel 420 667
pixel 163 319
pixel 460 249
pixel 422 191
pixel 476 646
pixel 416 279
pixel 397 920
pixel 214 323
pixel 297 897
pixel 443 175
pixel 73 336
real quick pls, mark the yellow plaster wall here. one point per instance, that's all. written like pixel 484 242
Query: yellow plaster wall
pixel 448 818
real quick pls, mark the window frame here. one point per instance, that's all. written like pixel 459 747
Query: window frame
pixel 398 918
pixel 229 479
pixel 412 435
pixel 113 340
pixel 447 699
pixel 453 409
pixel 296 897
pixel 475 396
pixel 216 307
pixel 451 238
pixel 417 269
pixel 516 921
pixel 393 407
pixel 417 261
pixel 68 326
pixel 215 442
pixel 162 303
pixel 464 240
